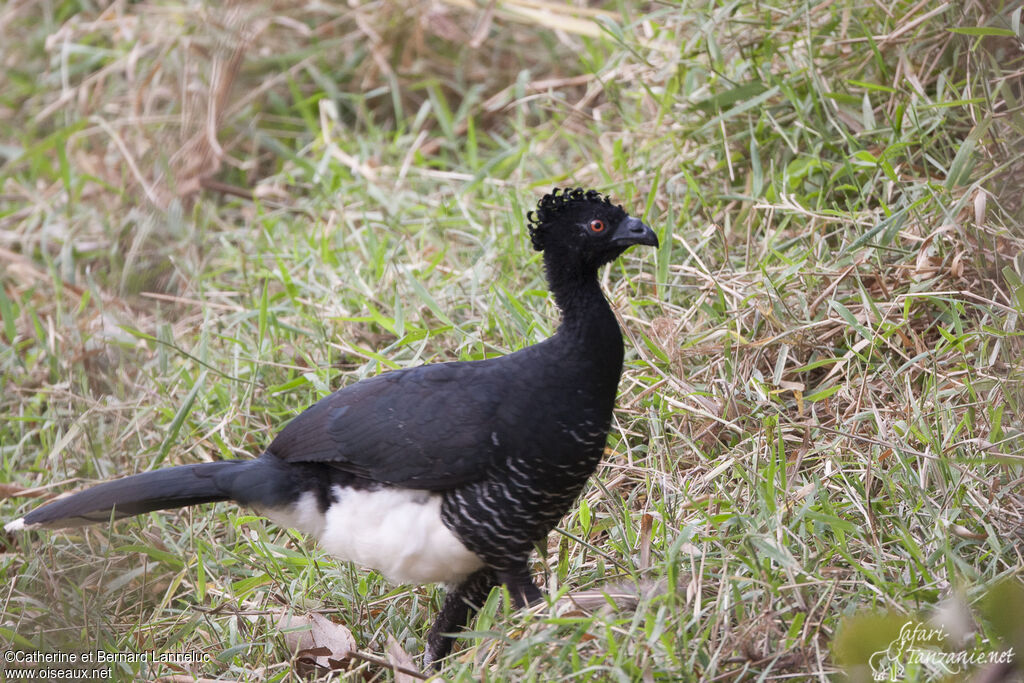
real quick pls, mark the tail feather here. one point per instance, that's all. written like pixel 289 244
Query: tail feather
pixel 140 493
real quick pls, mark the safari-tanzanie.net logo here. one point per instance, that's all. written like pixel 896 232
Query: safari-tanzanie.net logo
pixel 922 646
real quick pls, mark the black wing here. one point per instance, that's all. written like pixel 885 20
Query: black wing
pixel 431 427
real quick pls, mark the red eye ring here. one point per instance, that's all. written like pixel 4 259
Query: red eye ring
pixel 597 225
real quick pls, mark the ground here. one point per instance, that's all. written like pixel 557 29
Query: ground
pixel 214 214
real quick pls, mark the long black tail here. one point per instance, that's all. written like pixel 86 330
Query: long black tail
pixel 173 487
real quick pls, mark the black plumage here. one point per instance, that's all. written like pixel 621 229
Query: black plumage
pixel 484 456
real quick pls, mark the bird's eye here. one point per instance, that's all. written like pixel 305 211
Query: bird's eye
pixel 596 225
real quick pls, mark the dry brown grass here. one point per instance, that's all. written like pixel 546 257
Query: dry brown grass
pixel 212 214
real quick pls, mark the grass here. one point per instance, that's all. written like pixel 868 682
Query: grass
pixel 214 215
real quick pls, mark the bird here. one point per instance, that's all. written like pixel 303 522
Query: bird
pixel 449 472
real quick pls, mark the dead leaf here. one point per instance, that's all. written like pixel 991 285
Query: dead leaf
pixel 402 662
pixel 622 596
pixel 980 202
pixel 318 643
pixel 10 490
pixel 646 526
pixel 963 532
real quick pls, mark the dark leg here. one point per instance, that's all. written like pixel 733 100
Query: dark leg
pixel 466 598
pixel 520 586
pixel 458 605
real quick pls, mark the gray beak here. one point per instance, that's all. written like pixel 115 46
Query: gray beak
pixel 633 231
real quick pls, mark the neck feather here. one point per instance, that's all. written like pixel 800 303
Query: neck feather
pixel 586 316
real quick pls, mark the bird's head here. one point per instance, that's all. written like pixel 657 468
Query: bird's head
pixel 585 226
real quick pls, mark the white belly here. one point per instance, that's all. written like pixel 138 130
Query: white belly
pixel 398 532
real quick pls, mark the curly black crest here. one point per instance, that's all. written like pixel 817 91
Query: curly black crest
pixel 551 205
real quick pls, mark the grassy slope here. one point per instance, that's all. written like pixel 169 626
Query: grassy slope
pixel 821 413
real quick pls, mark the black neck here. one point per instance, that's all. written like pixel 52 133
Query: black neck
pixel 588 323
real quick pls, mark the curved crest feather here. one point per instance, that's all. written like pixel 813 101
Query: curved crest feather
pixel 552 204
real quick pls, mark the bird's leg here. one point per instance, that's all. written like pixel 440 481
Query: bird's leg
pixel 466 598
pixel 459 604
pixel 520 586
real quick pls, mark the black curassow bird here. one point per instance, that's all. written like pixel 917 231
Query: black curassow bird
pixel 448 472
